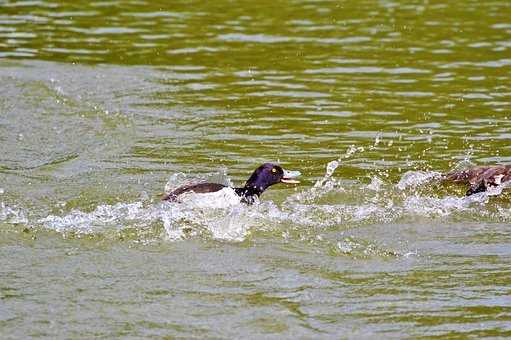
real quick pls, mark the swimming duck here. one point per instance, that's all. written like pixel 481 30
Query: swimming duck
pixel 263 177
pixel 481 178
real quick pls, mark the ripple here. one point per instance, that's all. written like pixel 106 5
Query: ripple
pixel 191 50
pixel 159 14
pixel 259 38
pixel 107 30
pixel 414 94
pixel 270 39
pixel 504 26
pixel 331 113
pixel 490 64
pixel 290 94
pixel 476 96
pixel 368 70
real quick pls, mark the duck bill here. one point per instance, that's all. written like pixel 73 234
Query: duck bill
pixel 289 177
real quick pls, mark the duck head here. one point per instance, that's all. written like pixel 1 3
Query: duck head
pixel 267 175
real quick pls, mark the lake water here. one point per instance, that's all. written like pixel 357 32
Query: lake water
pixel 105 105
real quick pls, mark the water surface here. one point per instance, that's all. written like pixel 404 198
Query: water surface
pixel 105 106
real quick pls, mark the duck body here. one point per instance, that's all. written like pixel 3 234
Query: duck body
pixel 209 188
pixel 262 178
pixel 480 178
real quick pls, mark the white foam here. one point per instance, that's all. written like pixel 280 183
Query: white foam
pixel 412 179
pixel 221 199
pixel 12 215
pixel 104 217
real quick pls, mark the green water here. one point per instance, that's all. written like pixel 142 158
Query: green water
pixel 105 105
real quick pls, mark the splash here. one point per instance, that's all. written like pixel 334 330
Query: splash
pixel 442 207
pixel 12 215
pixel 329 204
pixel 413 179
pixel 325 184
pixel 103 218
pixel 219 214
pixel 363 249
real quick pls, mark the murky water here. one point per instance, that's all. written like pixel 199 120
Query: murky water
pixel 103 106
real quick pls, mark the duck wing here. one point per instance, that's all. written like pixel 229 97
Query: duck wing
pixel 200 188
pixel 480 178
pixel 468 176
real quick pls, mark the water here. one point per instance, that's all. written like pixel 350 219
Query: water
pixel 105 106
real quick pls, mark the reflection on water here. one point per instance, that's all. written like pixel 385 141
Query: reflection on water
pixel 106 105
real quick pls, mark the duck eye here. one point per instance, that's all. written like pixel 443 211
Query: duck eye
pixel 273 171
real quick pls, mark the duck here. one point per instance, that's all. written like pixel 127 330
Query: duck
pixel 480 178
pixel 261 179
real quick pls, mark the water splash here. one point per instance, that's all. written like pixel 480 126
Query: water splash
pixel 329 204
pixel 103 218
pixel 376 184
pixel 360 249
pixel 12 215
pixel 413 179
pixel 325 184
pixel 441 207
pixel 220 214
